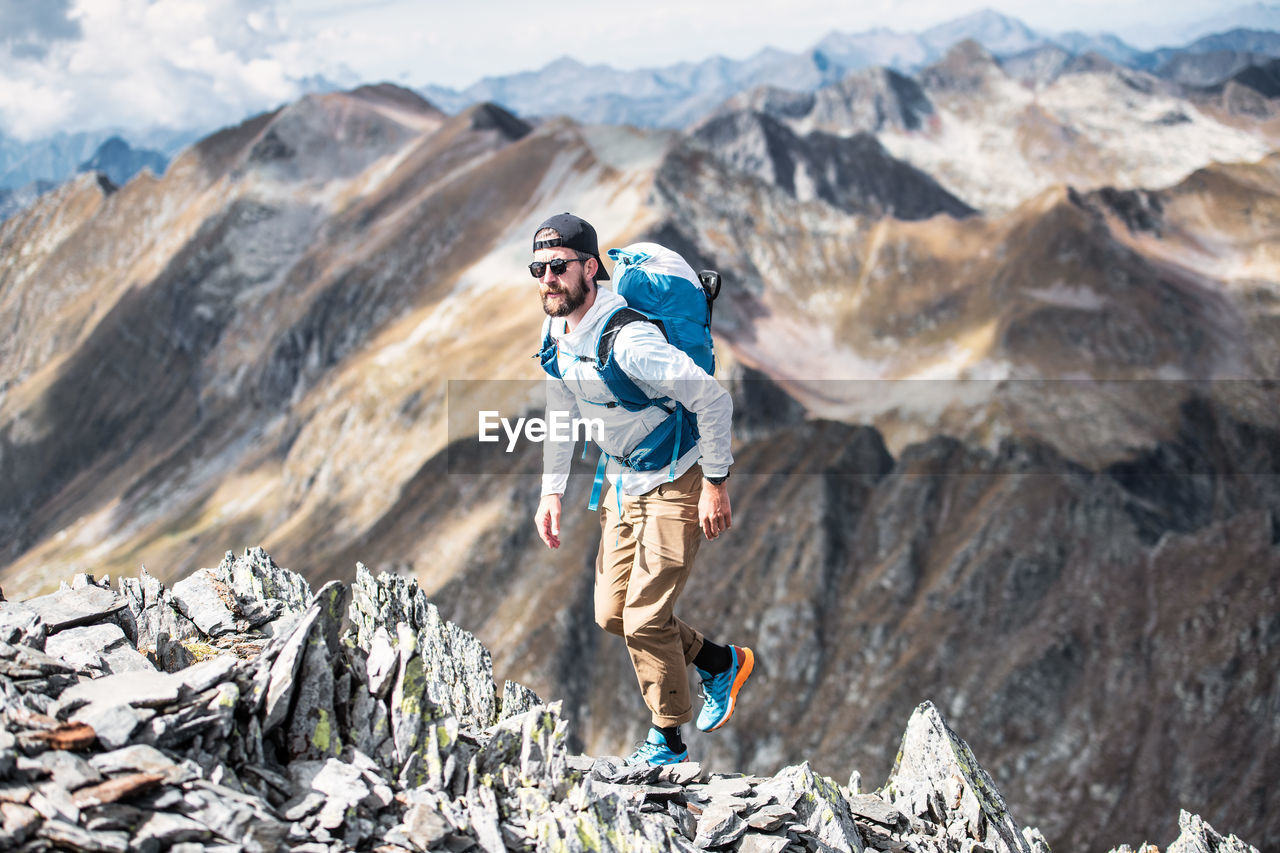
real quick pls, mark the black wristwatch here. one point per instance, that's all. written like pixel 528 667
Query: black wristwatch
pixel 715 481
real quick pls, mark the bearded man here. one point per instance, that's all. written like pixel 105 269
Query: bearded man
pixel 652 522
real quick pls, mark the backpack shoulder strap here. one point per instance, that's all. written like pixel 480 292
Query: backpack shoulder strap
pixel 546 354
pixel 622 317
pixel 629 395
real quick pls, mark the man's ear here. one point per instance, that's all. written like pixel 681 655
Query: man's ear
pixel 592 273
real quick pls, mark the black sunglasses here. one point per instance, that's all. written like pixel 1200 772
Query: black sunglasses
pixel 558 266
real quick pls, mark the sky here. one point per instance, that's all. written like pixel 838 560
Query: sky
pixel 72 65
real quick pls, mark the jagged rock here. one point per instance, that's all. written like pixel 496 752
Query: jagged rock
pixel 71 608
pixel 288 654
pixel 96 650
pixel 70 771
pixel 165 829
pixel 68 836
pixel 137 758
pixel 417 742
pixel 755 842
pixel 937 778
pixel 23 662
pixel 719 826
pixel 208 602
pixel 516 699
pixel 1197 836
pixel 172 656
pixel 17 823
pixel 873 808
pixel 67 736
pixel 684 773
pixel 255 577
pixel 342 785
pixel 532 744
pixel 151 611
pixel 770 817
pixel 117 788
pixel 423 828
pixel 618 771
pixel 457 668
pixel 21 624
pixel 8 752
pixel 313 730
pixel 382 662
pixel 603 825
pixel 818 803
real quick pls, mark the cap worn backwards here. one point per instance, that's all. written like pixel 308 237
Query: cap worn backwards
pixel 575 233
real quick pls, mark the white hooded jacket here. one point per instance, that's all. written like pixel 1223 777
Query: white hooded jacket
pixel 659 370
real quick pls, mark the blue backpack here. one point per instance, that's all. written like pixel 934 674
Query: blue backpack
pixel 659 287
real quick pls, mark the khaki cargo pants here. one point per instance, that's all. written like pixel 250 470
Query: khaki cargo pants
pixel 645 556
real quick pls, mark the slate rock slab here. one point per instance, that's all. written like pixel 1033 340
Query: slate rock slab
pixel 138 757
pixel 873 808
pixel 141 689
pixel 96 650
pixel 71 608
pixel 208 602
pixel 114 724
pixel 719 827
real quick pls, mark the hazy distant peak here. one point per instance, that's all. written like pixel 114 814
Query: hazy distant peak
pixel 1000 33
pixel 966 67
pixel 1038 66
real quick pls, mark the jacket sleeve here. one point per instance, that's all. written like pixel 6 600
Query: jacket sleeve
pixel 663 370
pixel 557 456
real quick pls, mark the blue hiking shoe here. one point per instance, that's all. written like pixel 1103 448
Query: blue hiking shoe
pixel 655 751
pixel 720 691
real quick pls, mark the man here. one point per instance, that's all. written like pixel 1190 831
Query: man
pixel 652 521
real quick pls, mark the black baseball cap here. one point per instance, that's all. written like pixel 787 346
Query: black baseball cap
pixel 575 233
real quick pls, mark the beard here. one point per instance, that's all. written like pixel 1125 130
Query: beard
pixel 571 297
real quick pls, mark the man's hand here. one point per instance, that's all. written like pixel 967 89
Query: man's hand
pixel 547 520
pixel 713 509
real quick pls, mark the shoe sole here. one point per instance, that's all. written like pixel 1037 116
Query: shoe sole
pixel 683 757
pixel 744 672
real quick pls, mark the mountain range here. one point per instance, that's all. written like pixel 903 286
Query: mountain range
pixel 1003 361
pixel 678 95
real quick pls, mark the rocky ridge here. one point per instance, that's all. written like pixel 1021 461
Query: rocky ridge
pixel 237 711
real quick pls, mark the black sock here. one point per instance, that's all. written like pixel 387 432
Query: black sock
pixel 672 734
pixel 713 657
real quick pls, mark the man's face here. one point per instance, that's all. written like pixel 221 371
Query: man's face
pixel 565 293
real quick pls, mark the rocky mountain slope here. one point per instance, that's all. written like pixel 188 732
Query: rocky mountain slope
pixel 300 730
pixel 284 340
pixel 996 136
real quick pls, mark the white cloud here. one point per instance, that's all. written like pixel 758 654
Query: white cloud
pixel 139 64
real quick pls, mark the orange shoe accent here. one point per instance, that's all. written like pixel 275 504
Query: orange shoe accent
pixel 745 665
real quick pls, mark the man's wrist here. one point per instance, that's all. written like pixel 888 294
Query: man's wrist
pixel 716 481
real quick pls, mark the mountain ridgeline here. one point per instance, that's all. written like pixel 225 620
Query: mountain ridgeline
pixel 1004 401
